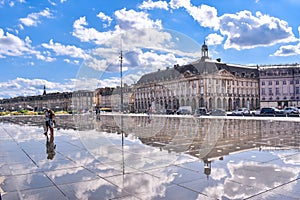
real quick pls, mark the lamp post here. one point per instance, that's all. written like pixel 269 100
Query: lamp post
pixel 121 77
pixel 121 95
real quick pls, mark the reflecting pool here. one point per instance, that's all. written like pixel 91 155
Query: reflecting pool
pixel 157 157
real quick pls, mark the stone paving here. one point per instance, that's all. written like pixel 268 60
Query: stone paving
pixel 160 158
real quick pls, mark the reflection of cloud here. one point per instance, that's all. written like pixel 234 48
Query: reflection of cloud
pixel 288 159
pixel 250 174
pixel 218 173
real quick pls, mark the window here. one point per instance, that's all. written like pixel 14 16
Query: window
pixel 297 90
pixel 297 81
pixel 270 91
pixel 277 82
pixel 277 91
pixel 291 82
pixel 284 82
pixel 262 83
pixel 263 91
pixel 270 82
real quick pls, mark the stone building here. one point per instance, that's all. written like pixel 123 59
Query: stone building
pixel 204 83
pixel 55 101
pixel 83 100
pixel 128 99
pixel 103 97
pixel 280 85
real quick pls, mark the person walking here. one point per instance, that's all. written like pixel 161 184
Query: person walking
pixel 49 122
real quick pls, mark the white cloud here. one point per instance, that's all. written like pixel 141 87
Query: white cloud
pixel 245 31
pixel 149 5
pixel 30 87
pixel 204 14
pixel 11 45
pixel 68 50
pixel 214 39
pixel 44 58
pixel 146 46
pixel 288 50
pixel 105 18
pixel 33 19
pixel 89 34
pixel 130 19
pixel 175 4
pixel 242 30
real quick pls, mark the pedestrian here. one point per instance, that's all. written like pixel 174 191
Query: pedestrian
pixel 49 121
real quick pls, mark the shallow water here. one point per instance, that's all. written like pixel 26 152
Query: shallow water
pixel 161 157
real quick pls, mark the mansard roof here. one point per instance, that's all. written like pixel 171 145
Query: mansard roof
pixel 198 68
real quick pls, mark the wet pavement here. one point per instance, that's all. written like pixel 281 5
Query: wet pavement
pixel 134 157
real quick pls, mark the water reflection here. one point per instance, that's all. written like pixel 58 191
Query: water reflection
pixel 50 146
pixel 203 138
pixel 222 158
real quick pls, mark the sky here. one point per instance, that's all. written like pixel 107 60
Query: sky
pixel 68 45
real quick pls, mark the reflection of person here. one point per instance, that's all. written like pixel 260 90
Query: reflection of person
pixel 50 147
pixel 50 121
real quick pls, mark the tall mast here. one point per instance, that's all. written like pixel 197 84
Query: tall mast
pixel 121 76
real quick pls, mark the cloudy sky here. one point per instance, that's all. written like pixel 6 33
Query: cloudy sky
pixel 59 43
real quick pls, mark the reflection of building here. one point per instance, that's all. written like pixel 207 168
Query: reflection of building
pixel 280 86
pixel 204 83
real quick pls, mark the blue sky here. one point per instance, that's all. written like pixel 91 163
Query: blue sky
pixel 69 45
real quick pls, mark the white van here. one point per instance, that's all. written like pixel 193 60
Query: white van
pixel 184 110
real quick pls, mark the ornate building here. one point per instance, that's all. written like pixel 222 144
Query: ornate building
pixel 280 85
pixel 204 83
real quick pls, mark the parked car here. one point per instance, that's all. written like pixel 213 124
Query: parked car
pixel 241 111
pixel 271 111
pixel 169 111
pixel 184 110
pixel 255 112
pixel 290 110
pixel 201 111
pixel 218 112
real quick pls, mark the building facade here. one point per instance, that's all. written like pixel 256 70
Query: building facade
pixel 204 83
pixel 280 86
pixel 55 101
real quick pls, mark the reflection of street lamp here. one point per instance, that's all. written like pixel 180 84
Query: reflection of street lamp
pixel 207 167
